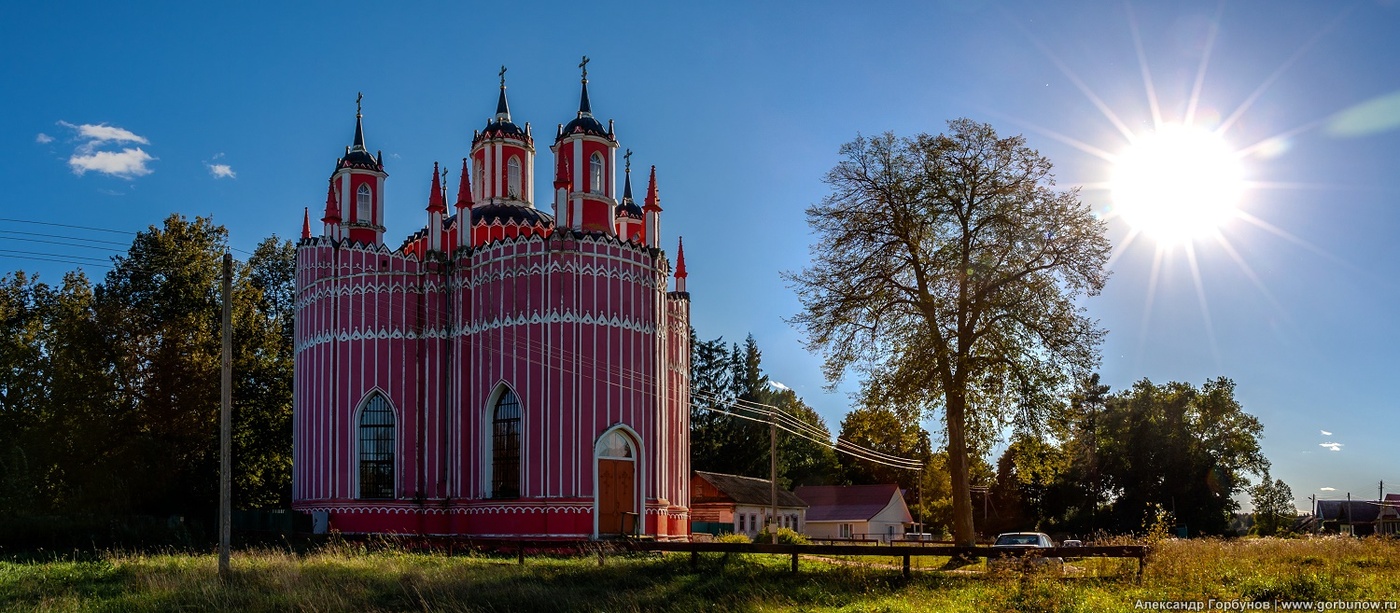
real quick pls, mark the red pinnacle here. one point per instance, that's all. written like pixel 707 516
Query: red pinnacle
pixel 653 201
pixel 332 207
pixel 306 222
pixel 436 203
pixel 464 188
pixel 680 258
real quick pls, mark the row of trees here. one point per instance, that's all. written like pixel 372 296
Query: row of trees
pixel 1104 461
pixel 109 392
pixel 1111 462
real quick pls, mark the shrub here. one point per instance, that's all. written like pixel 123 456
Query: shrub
pixel 786 536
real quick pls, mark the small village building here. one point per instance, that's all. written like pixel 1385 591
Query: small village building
pixel 855 512
pixel 1358 517
pixel 721 503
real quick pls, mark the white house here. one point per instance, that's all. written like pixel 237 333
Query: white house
pixel 855 512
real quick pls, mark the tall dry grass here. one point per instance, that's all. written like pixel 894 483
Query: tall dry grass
pixel 382 577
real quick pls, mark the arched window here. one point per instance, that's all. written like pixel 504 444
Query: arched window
pixel 595 170
pixel 377 449
pixel 614 445
pixel 363 212
pixel 505 447
pixel 513 173
pixel 480 182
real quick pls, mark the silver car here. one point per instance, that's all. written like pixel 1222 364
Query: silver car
pixel 1015 546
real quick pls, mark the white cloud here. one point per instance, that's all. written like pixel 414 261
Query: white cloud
pixel 88 155
pixel 222 171
pixel 126 164
pixel 1332 446
pixel 778 385
pixel 1325 433
pixel 97 134
pixel 43 139
pixel 1327 489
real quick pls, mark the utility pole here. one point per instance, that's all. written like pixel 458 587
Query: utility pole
pixel 226 400
pixel 773 474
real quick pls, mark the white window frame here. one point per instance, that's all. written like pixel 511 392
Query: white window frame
pixel 364 204
pixel 596 167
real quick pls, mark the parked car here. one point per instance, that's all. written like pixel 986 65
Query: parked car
pixel 1018 551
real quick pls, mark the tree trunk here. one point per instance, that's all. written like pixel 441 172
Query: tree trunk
pixel 963 531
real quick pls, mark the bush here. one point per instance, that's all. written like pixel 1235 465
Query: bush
pixel 786 536
pixel 730 537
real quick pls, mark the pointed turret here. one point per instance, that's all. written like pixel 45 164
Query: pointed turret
pixel 358 182
pixel 436 202
pixel 464 189
pixel 357 155
pixel 584 122
pixel 651 213
pixel 629 215
pixel 680 264
pixel 503 156
pixel 332 206
pixel 653 201
pixel 305 223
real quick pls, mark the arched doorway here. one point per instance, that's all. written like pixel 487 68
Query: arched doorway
pixel 617 484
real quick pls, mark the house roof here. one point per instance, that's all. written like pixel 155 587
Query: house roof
pixel 748 490
pixel 1360 511
pixel 848 502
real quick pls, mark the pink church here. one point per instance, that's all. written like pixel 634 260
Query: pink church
pixel 505 372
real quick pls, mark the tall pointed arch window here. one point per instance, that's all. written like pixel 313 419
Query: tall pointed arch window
pixel 480 182
pixel 505 447
pixel 595 173
pixel 513 177
pixel 363 210
pixel 377 449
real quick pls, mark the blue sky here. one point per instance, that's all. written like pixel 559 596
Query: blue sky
pixel 116 116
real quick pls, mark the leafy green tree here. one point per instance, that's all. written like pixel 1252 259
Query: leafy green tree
pixel 948 269
pixel 881 429
pixel 804 460
pixel 1273 506
pixel 161 309
pixel 1179 448
pixel 262 452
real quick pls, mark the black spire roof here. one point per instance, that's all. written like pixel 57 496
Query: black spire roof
pixel 628 207
pixel 356 155
pixel 500 126
pixel 584 123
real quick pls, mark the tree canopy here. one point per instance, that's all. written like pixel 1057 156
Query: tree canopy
pixel 109 393
pixel 946 270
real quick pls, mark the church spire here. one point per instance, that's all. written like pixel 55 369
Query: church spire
pixel 359 142
pixel 306 222
pixel 502 107
pixel 584 108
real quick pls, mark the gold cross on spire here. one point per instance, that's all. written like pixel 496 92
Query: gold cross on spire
pixel 358 98
pixel 503 75
pixel 584 66
pixel 627 158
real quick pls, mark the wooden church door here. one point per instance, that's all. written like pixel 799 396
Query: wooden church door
pixel 617 511
pixel 615 479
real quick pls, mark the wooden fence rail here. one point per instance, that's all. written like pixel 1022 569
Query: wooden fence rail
pixel 905 551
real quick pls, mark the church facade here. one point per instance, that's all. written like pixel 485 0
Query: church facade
pixel 505 371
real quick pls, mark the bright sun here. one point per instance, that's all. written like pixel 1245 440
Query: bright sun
pixel 1177 183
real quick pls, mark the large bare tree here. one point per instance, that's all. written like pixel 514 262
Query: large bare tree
pixel 946 272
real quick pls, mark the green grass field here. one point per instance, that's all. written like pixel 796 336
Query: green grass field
pixel 354 578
